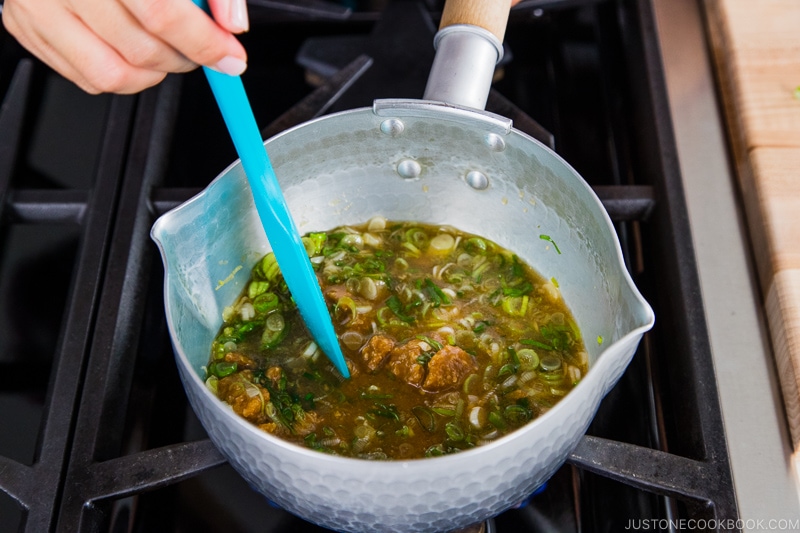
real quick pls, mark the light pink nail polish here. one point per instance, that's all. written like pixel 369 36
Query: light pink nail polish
pixel 239 19
pixel 230 65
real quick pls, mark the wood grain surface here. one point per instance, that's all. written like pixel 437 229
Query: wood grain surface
pixel 756 49
pixel 491 15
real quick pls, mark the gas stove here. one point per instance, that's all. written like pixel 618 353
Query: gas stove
pixel 98 435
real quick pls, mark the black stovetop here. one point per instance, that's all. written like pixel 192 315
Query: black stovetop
pixel 96 431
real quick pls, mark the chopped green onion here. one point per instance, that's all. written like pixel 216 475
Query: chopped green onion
pixel 538 344
pixel 506 369
pixel 412 249
pixel 221 369
pixel 454 431
pixel 475 244
pixel 442 243
pixel 275 331
pixel 385 411
pixel 268 268
pixel 257 287
pixel 515 305
pixel 416 236
pixel 314 242
pixel 516 267
pixel 497 421
pixel 480 327
pixel 443 411
pixel 550 363
pixel 425 417
pixel 551 241
pixel 345 303
pixel 523 289
pixel 528 359
pixel 517 414
pixel 265 302
pixel 436 450
pixel 211 384
pixel 435 293
pixel 469 382
pixel 479 270
pixel 434 344
pixel 397 308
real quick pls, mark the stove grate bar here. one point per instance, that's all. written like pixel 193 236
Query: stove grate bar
pixel 309 8
pixel 655 471
pixel 37 206
pixel 622 202
pixel 12 114
pixel 147 470
pixel 497 103
pixel 37 488
pixel 627 202
pixel 318 102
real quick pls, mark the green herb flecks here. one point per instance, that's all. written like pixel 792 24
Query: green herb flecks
pixel 551 241
pixel 394 304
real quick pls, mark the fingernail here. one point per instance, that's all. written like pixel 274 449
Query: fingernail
pixel 233 66
pixel 239 19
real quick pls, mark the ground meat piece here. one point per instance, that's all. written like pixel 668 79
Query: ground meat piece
pixel 274 374
pixel 376 351
pixel 448 368
pixel 269 427
pixel 240 393
pixel 242 361
pixel 403 362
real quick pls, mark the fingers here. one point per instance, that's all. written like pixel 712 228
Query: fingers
pixel 186 28
pixel 115 26
pixel 64 43
pixel 125 46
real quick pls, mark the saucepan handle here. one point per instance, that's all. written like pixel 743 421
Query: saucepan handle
pixel 469 44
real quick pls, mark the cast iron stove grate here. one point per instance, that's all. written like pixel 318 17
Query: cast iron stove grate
pixel 114 445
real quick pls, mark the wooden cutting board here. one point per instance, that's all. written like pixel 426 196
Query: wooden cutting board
pixel 756 49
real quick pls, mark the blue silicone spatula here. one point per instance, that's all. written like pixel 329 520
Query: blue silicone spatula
pixel 274 213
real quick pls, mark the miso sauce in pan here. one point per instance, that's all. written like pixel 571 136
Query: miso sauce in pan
pixel 451 340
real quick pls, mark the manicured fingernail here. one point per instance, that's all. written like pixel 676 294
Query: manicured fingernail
pixel 239 19
pixel 233 66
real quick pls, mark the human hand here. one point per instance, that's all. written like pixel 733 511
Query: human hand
pixel 125 46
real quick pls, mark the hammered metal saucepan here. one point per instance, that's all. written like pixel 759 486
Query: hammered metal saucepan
pixel 436 163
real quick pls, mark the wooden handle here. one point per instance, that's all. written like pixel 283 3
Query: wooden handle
pixel 491 15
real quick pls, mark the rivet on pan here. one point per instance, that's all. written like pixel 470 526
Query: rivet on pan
pixel 495 142
pixel 408 168
pixel 392 126
pixel 476 180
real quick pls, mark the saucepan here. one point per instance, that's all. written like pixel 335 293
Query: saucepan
pixel 440 160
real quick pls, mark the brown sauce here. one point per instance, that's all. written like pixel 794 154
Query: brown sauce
pixel 451 341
